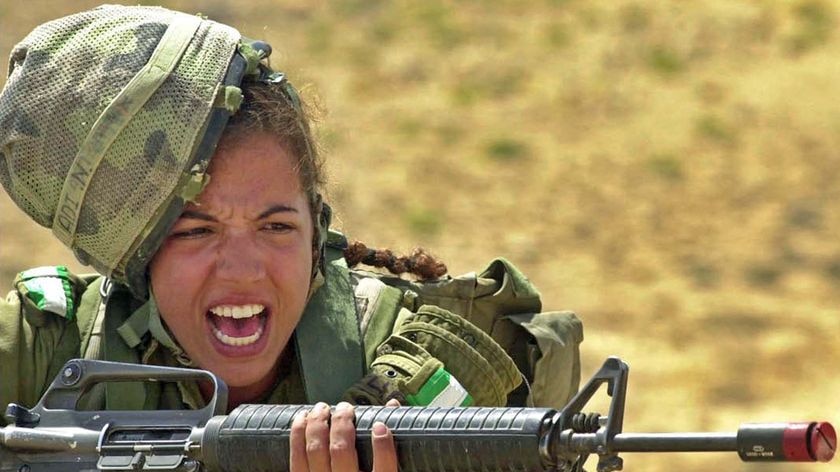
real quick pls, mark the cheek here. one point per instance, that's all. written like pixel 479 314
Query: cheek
pixel 292 270
pixel 175 279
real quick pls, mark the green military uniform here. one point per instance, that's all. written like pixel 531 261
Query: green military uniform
pixel 358 312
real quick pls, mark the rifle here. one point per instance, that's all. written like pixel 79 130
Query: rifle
pixel 55 436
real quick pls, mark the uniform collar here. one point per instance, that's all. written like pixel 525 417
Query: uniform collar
pixel 147 320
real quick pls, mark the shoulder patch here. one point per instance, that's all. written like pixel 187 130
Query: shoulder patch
pixel 48 288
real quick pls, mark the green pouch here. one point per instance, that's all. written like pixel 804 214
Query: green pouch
pixel 471 355
pixel 49 289
pixel 553 355
pixel 437 358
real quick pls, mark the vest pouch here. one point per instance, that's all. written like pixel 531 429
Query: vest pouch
pixel 501 302
pixel 483 299
pixel 553 355
pixel 437 358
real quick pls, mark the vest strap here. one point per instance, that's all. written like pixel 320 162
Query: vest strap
pixel 327 338
pixel 120 395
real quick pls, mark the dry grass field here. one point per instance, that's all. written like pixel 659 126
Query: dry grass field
pixel 669 170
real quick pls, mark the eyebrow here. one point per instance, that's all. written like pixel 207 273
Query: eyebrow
pixel 198 215
pixel 277 209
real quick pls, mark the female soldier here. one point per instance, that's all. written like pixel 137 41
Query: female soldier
pixel 165 152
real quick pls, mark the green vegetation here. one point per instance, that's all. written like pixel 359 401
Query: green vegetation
pixel 715 129
pixel 506 149
pixel 665 61
pixel 666 166
pixel 423 222
pixel 815 23
pixel 763 275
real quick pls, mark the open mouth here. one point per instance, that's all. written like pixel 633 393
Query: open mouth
pixel 237 325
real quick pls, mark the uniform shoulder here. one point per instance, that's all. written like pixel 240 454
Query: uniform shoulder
pixel 42 322
pixel 51 291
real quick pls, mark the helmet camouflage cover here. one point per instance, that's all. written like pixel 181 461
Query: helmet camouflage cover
pixel 107 123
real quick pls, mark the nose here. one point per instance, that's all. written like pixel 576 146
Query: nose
pixel 239 258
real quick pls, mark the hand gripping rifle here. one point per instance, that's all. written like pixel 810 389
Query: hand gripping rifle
pixel 55 436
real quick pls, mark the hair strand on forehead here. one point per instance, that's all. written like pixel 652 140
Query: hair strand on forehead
pixel 267 108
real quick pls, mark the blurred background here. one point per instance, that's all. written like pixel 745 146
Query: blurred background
pixel 669 170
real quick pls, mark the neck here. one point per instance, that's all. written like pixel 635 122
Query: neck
pixel 242 394
pixel 252 393
pixel 255 392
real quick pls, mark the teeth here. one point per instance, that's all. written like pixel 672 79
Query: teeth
pixel 237 311
pixel 232 341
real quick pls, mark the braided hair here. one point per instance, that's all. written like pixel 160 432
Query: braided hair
pixel 419 263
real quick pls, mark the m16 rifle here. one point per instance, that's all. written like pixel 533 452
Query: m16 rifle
pixel 55 436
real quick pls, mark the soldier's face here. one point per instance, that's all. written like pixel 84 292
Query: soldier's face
pixel 232 278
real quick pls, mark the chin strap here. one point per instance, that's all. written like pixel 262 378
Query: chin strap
pixel 322 217
pixel 146 319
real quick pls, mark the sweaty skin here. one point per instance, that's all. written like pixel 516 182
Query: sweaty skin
pixel 231 282
pixel 232 278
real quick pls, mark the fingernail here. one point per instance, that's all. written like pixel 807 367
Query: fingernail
pixel 301 415
pixel 343 406
pixel 319 407
pixel 379 429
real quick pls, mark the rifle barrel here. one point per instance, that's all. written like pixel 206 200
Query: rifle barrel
pixel 793 442
pixel 675 442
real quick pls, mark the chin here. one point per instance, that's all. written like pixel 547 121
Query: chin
pixel 234 373
pixel 237 380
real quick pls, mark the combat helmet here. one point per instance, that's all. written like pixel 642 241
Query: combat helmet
pixel 108 121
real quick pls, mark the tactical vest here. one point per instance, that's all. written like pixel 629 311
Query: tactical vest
pixel 353 318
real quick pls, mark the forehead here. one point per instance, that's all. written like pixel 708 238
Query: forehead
pixel 255 149
pixel 247 166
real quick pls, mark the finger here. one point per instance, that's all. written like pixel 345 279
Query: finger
pixel 392 403
pixel 318 438
pixel 343 439
pixel 297 444
pixel 384 450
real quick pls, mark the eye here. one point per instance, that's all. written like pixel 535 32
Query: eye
pixel 191 233
pixel 277 227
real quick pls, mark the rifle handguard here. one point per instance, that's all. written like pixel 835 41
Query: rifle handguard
pixel 427 439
